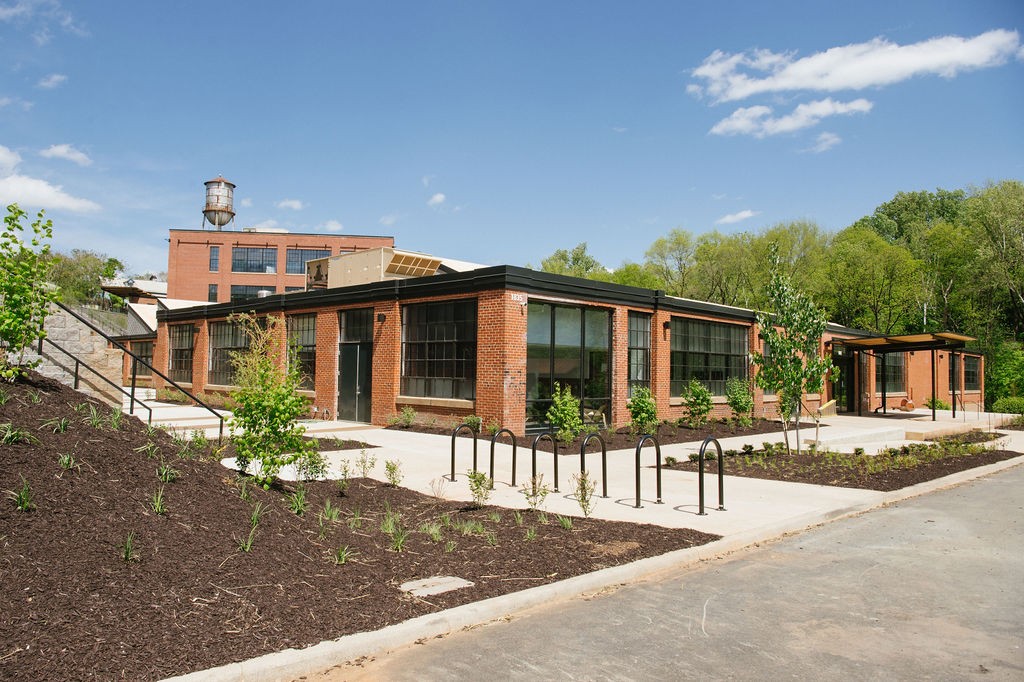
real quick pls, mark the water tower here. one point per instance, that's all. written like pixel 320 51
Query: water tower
pixel 220 198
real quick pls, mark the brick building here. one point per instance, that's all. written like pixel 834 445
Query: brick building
pixel 493 342
pixel 234 265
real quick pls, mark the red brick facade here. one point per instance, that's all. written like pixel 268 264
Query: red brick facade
pixel 501 350
pixel 188 259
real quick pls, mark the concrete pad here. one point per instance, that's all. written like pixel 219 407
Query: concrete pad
pixel 435 585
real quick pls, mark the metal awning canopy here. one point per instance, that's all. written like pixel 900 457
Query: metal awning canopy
pixel 883 345
pixel 907 342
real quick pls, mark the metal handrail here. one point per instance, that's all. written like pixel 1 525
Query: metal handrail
pixel 172 382
pixel 80 363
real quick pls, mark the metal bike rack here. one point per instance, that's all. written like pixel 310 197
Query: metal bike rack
pixel 721 475
pixel 604 460
pixel 455 433
pixel 494 439
pixel 554 444
pixel 657 452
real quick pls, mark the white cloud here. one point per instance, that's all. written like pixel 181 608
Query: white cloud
pixel 18 10
pixel 33 192
pixel 265 225
pixel 9 160
pixel 436 200
pixel 719 197
pixel 388 219
pixel 731 77
pixel 293 204
pixel 332 226
pixel 758 121
pixel 67 152
pixel 736 217
pixel 426 180
pixel 245 203
pixel 824 142
pixel 52 81
pixel 7 101
pixel 619 129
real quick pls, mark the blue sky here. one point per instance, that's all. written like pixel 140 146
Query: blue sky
pixel 498 132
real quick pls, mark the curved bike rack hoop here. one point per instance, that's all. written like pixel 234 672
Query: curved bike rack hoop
pixel 657 452
pixel 554 444
pixel 455 433
pixel 721 475
pixel 494 439
pixel 604 460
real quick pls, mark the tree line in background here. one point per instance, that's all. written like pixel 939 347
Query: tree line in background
pixel 949 260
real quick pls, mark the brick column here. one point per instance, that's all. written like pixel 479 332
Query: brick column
pixel 661 359
pixel 501 359
pixel 620 368
pixel 326 379
pixel 387 360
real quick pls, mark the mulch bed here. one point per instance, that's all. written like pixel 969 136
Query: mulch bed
pixel 820 470
pixel 190 599
pixel 622 438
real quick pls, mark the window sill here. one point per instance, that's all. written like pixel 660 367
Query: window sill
pixel 715 400
pixel 219 387
pixel 895 394
pixel 453 403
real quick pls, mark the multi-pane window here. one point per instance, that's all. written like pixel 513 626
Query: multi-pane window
pixel 972 374
pixel 302 337
pixel 214 258
pixel 893 373
pixel 708 351
pixel 181 341
pixel 253 259
pixel 439 350
pixel 225 338
pixel 295 259
pixel 211 293
pixel 639 351
pixel 767 353
pixel 240 293
pixel 144 349
pixel 357 325
pixel 954 367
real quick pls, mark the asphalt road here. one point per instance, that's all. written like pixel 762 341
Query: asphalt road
pixel 930 588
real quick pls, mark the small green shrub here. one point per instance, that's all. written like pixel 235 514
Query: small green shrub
pixel 157 502
pixel 297 500
pixel 167 473
pixel 939 404
pixel 311 465
pixel 432 529
pixel 643 411
pixel 564 414
pixel 474 422
pixel 740 399
pixel 1011 405
pixel 530 535
pixel 67 461
pixel 344 473
pixel 670 461
pixel 245 542
pixel 564 521
pixel 480 486
pixel 343 554
pixel 697 399
pixel 405 418
pixel 11 435
pixel 493 427
pixel 365 463
pixel 393 472
pixel 57 425
pixel 584 486
pixel 114 418
pixel 535 491
pixel 259 510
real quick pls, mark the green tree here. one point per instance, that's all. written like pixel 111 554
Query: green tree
pixel 795 365
pixel 997 213
pixel 79 275
pixel 671 259
pixel 634 275
pixel 268 402
pixel 575 263
pixel 24 295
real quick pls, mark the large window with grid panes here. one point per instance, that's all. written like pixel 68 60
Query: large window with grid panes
pixel 295 259
pixel 972 373
pixel 711 352
pixel 225 338
pixel 254 259
pixel 182 341
pixel 892 372
pixel 439 349
pixel 302 338
pixel 639 350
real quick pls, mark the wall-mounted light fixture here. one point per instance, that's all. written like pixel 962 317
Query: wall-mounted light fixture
pixel 666 325
pixel 381 317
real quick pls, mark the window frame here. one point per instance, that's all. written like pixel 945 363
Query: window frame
pixel 896 374
pixel 638 350
pixel 693 355
pixel 302 338
pixel 214 258
pixel 439 349
pixel 224 337
pixel 180 357
pixel 972 372
pixel 299 262
pixel 254 260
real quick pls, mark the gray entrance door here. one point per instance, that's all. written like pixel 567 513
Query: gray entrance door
pixel 354 391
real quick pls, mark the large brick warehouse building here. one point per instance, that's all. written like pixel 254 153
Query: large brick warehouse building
pixel 493 341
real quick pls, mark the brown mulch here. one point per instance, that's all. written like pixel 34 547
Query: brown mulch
pixel 190 599
pixel 851 472
pixel 622 438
